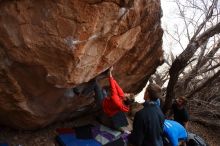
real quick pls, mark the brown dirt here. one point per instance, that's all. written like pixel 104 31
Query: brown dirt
pixel 210 134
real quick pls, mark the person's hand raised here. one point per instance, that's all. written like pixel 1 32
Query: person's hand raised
pixel 110 71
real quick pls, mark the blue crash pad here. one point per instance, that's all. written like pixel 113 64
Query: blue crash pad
pixel 71 140
pixel 4 144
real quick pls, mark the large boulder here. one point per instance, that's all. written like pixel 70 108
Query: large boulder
pixel 48 47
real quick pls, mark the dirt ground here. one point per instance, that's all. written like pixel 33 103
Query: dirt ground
pixel 46 136
pixel 210 134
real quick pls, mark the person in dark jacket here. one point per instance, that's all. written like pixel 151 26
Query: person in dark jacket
pixel 180 113
pixel 148 122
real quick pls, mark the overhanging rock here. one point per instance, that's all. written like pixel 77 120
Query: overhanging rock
pixel 48 47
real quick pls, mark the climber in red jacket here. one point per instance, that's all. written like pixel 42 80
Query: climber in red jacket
pixel 113 104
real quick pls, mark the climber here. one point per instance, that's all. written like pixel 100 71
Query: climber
pixel 113 105
pixel 112 99
pixel 175 133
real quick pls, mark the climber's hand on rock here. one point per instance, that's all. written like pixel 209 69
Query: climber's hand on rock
pixel 110 71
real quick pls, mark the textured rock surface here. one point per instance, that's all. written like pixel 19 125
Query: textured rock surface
pixel 47 47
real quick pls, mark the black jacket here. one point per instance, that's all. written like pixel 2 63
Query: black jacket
pixel 148 126
pixel 180 115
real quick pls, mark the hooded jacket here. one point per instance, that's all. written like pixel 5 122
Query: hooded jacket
pixel 112 105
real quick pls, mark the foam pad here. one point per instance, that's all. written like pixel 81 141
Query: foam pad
pixel 104 134
pixel 118 142
pixel 71 140
pixel 4 144
pixel 84 132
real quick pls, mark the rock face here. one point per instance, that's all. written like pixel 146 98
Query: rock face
pixel 48 47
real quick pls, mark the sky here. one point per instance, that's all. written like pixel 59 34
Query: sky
pixel 169 20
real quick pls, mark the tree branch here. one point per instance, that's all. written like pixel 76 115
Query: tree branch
pixel 181 62
pixel 206 83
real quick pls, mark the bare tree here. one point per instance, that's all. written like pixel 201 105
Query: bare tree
pixel 198 65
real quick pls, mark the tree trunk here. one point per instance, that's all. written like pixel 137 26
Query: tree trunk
pixel 181 62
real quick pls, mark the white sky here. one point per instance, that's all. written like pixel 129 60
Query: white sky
pixel 169 20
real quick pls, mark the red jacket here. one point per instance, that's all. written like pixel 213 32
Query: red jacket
pixel 115 103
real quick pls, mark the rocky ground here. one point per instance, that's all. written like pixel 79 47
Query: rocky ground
pixel 46 136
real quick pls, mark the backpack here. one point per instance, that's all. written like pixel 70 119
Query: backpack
pixel 195 140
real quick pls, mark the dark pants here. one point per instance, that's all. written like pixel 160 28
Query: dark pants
pixel 116 121
pixel 119 120
pixel 88 89
pixel 99 96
